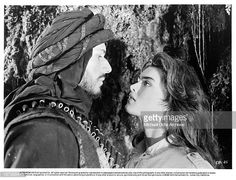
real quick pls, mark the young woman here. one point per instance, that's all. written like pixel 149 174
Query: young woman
pixel 173 109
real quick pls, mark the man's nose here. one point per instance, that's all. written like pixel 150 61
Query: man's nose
pixel 106 66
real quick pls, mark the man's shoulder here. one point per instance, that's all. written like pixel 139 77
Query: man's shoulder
pixel 40 127
pixel 41 143
pixel 40 119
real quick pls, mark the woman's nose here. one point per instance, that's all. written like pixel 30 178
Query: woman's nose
pixel 134 87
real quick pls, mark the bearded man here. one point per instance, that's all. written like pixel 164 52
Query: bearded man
pixel 46 120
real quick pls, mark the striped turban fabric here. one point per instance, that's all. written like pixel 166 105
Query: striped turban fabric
pixel 66 40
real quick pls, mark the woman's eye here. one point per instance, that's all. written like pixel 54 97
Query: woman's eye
pixel 146 83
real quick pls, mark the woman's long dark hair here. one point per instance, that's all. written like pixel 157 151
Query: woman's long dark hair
pixel 186 97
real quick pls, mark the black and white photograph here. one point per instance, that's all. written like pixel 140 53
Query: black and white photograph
pixel 117 86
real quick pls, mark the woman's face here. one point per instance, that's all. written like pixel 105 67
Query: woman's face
pixel 147 94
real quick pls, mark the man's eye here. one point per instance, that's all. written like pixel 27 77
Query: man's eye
pixel 100 57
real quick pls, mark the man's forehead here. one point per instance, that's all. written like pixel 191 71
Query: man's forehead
pixel 100 47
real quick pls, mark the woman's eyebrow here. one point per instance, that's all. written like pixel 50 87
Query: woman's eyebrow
pixel 146 78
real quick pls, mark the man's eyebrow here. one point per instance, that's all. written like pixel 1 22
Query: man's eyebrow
pixel 101 52
pixel 146 78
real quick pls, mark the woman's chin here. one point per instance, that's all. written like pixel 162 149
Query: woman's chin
pixel 131 110
pixel 127 108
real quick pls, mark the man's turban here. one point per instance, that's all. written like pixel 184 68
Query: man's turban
pixel 69 37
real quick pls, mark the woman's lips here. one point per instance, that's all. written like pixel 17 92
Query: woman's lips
pixel 131 98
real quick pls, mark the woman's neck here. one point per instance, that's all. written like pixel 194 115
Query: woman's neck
pixel 153 136
pixel 150 141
